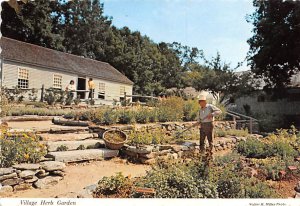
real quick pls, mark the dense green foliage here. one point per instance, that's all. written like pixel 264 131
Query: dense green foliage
pixel 177 182
pixel 283 144
pixel 273 54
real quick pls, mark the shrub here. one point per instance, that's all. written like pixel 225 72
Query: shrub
pixel 126 117
pixel 117 185
pixel 271 146
pixel 153 115
pixel 190 110
pixel 14 95
pixel 177 182
pixel 282 148
pixel 220 133
pixel 272 167
pixel 142 116
pixel 233 157
pixel 152 102
pixel 258 189
pixel 110 116
pixel 230 185
pixel 252 148
pixel 20 148
pixel 170 109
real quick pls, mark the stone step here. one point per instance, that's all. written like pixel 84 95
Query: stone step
pixel 67 136
pixel 74 145
pixel 67 129
pixel 82 155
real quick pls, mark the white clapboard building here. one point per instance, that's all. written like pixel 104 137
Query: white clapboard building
pixel 29 66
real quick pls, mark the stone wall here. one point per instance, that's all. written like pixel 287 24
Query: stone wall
pixel 170 127
pixel 150 154
pixel 25 176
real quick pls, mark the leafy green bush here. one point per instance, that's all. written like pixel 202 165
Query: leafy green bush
pixel 220 133
pixel 114 185
pixel 153 115
pixel 19 148
pixel 170 109
pixel 177 182
pixel 252 148
pixel 283 149
pixel 258 189
pixel 14 95
pixel 142 115
pixel 228 158
pixel 152 102
pixel 126 117
pixel 230 185
pixel 272 169
pixel 53 95
pixel 110 116
pixel 271 146
pixel 190 110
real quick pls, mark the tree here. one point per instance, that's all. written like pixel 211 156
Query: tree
pixel 274 51
pixel 32 23
pixel 217 77
pixel 84 27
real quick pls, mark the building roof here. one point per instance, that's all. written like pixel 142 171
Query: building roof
pixel 31 54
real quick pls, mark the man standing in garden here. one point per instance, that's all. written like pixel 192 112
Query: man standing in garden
pixel 207 113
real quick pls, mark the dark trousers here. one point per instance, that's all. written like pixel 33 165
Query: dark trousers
pixel 206 130
pixel 91 94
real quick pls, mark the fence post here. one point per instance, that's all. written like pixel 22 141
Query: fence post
pixel 125 99
pixel 42 93
pixel 251 125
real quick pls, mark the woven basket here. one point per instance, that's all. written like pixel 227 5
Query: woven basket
pixel 113 145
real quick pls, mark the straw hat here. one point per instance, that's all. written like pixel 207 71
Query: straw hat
pixel 201 97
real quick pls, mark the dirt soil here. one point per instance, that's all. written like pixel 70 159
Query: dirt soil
pixel 33 125
pixel 285 188
pixel 81 175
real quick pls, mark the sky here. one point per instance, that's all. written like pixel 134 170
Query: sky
pixel 211 25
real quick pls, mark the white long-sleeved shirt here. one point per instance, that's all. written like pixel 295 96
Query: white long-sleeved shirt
pixel 208 109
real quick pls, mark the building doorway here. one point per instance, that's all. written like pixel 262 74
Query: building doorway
pixel 81 86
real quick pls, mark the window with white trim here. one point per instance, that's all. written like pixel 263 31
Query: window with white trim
pixel 122 90
pixel 23 78
pixel 57 81
pixel 101 94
